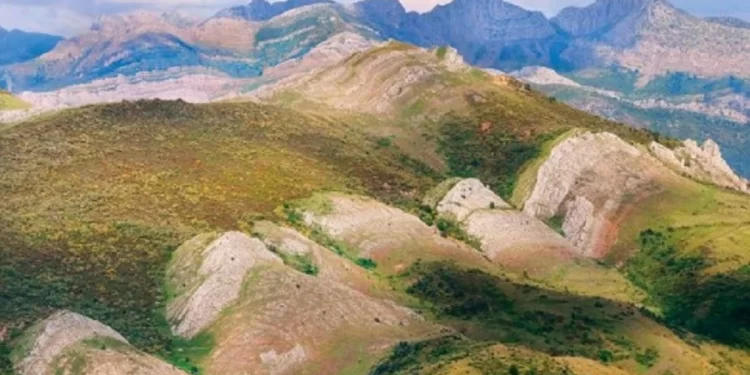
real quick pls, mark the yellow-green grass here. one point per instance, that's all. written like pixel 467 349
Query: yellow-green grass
pixel 10 102
pixel 96 199
pixel 557 323
pixel 703 219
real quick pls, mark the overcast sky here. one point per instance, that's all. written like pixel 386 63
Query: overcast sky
pixel 66 17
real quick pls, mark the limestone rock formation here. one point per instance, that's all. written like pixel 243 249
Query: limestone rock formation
pixel 329 265
pixel 468 196
pixel 286 321
pixel 516 240
pixel 268 318
pixel 208 279
pixel 704 163
pixel 655 38
pixel 381 80
pixel 588 180
pixel 49 338
pixel 62 344
pixel 393 238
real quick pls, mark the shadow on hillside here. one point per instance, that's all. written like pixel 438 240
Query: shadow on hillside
pixel 488 308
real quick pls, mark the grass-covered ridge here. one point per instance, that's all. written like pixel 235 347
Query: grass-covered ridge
pixel 96 199
pixel 9 102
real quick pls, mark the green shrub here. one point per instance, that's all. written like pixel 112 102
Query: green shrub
pixel 366 263
pixel 494 155
pixel 717 306
pixel 648 358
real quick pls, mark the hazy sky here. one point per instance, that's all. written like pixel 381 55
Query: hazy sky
pixel 66 17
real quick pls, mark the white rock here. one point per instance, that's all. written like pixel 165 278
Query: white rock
pixel 566 163
pixel 468 196
pixel 223 267
pixel 580 219
pixel 504 231
pixel 702 163
pixel 56 333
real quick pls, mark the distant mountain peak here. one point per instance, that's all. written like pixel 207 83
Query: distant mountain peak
pixel 729 21
pixel 262 10
pixel 615 21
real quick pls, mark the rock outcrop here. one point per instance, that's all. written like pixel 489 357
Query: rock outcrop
pixel 391 237
pixel 49 339
pixel 268 318
pixel 329 265
pixel 525 244
pixel 61 344
pixel 703 163
pixel 516 240
pixel 588 180
pixel 468 196
pixel 209 279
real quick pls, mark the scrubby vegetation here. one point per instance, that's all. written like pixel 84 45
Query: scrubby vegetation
pixel 490 154
pixel 485 307
pixel 717 306
pixel 96 199
pixel 454 352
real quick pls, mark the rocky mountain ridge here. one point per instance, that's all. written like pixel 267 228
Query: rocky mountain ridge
pixel 18 46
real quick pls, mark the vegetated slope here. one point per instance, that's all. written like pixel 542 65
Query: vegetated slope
pixel 97 199
pixel 9 102
pixel 68 343
pixel 269 318
pixel 18 46
pixel 646 209
pixel 483 124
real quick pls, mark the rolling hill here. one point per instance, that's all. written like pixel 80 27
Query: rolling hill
pixel 343 222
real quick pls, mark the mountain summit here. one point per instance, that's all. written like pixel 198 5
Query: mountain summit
pixel 262 10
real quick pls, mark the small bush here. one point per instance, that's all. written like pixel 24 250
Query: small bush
pixel 648 358
pixel 366 263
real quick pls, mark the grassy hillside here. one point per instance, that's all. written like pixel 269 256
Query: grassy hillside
pixel 96 200
pixel 10 102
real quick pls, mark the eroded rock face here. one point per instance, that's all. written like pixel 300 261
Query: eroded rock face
pixel 590 180
pixel 392 237
pixel 67 343
pixel 210 279
pixel 704 163
pixel 51 337
pixel 468 196
pixel 267 318
pixel 287 321
pixel 330 266
pixel 516 240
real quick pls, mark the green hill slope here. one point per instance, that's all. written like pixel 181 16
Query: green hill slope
pixel 10 102
pixel 96 200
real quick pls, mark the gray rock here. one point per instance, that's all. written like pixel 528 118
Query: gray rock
pixel 212 278
pixel 51 337
pixel 468 196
